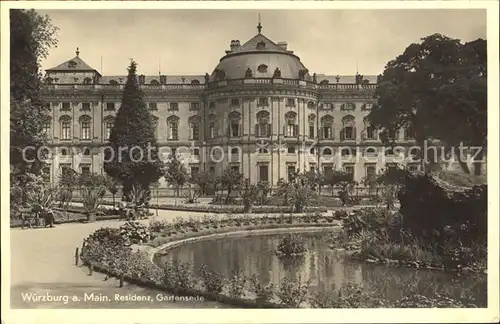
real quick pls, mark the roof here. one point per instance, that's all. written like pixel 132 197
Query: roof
pixel 262 56
pixel 251 45
pixel 74 64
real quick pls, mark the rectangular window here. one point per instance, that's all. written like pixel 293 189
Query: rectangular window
pixel 235 168
pixel 194 170
pixel 66 130
pixel 327 106
pixel 153 106
pixel 110 106
pixel 196 152
pixel 349 133
pixel 235 129
pixel 348 106
pixel 85 169
pixel 66 106
pixel 65 167
pixel 328 171
pixel 211 170
pixel 85 131
pixel 173 106
pixel 211 130
pixel 263 150
pixel 312 167
pixel 311 131
pixel 367 106
pixel 86 106
pixel 291 149
pixel 194 106
pixel 371 171
pixel 290 102
pixel 173 131
pixel 370 132
pixel 46 129
pixel 349 169
pixel 263 102
pixel 263 130
pixel 263 173
pixel 235 102
pixel 107 130
pixel 290 129
pixel 327 132
pixel 290 172
pixel 195 131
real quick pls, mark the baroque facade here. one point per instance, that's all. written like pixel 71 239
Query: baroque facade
pixel 260 111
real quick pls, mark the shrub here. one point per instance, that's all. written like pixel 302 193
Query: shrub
pixel 135 232
pixel 263 293
pixel 291 245
pixel 292 293
pixel 349 296
pixel 212 281
pixel 236 285
pixel 159 227
pixel 437 301
pixel 178 275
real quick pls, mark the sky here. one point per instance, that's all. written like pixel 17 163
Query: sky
pixel 184 42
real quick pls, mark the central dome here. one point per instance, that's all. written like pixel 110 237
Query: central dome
pixel 259 58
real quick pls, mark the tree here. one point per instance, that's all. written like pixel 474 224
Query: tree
pixel 229 180
pixel 31 36
pixel 175 173
pixel 438 88
pixel 249 194
pixel 204 181
pixel 132 156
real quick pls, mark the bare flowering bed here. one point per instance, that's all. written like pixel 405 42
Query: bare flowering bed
pixel 114 251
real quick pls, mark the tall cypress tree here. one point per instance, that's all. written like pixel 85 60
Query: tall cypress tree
pixel 132 155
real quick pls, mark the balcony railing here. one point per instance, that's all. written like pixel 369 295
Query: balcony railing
pixel 334 87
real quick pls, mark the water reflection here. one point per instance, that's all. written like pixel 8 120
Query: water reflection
pixel 324 267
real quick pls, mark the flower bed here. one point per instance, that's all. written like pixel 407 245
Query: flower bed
pixel 110 251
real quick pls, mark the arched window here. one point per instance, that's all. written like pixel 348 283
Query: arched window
pixel 349 129
pixel 370 151
pixel 235 150
pixel 173 128
pixel 194 128
pixel 327 127
pixel 212 130
pixel 87 81
pixel 262 68
pixel 85 127
pixel 263 126
pixel 261 45
pixel 234 124
pixel 326 151
pixel 113 82
pixel 311 119
pixel 108 126
pixel 370 132
pixel 46 128
pixel 291 127
pixel 65 125
pixel 155 82
pixel 195 81
pixel 324 82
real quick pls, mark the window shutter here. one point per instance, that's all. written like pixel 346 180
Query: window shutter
pixel 284 130
pixel 342 134
pixel 256 131
pixel 269 131
pixel 354 135
pixel 296 130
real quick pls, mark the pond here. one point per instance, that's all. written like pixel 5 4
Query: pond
pixel 326 268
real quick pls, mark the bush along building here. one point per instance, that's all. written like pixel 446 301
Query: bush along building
pixel 260 111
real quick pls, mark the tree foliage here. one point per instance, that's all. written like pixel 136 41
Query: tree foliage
pixel 31 37
pixel 133 154
pixel 229 180
pixel 175 172
pixel 438 88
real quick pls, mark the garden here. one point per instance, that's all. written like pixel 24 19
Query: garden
pixel 455 244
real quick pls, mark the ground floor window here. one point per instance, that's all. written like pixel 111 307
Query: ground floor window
pixel 263 173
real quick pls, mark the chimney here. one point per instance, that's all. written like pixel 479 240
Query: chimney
pixel 235 44
pixel 283 45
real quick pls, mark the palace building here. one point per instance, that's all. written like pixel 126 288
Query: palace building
pixel 260 111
